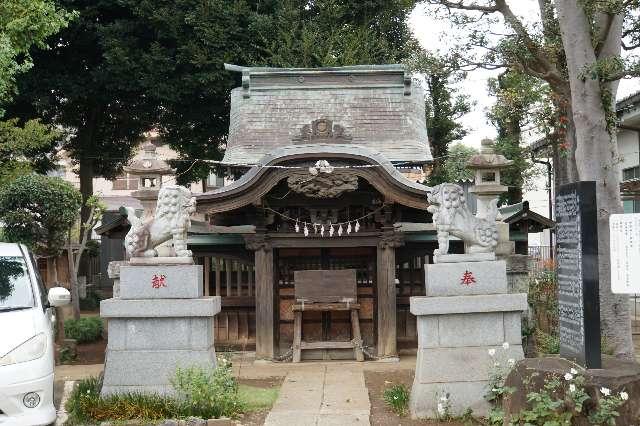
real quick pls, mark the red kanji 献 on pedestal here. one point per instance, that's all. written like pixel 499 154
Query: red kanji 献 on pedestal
pixel 158 281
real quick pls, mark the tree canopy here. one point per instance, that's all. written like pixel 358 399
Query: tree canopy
pixel 454 167
pixel 444 106
pixel 519 100
pixel 575 48
pixel 39 211
pixel 124 66
pixel 25 25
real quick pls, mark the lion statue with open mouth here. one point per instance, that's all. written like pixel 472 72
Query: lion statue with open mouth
pixel 452 217
pixel 170 222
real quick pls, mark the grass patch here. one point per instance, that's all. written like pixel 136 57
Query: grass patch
pixel 200 392
pixel 257 399
pixel 397 397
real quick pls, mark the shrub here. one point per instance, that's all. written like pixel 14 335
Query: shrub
pixel 208 392
pixel 85 406
pixel 562 399
pixel 547 343
pixel 201 392
pixel 91 302
pixel 397 397
pixel 84 330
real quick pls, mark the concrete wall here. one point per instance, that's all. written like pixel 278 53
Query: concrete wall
pixel 628 147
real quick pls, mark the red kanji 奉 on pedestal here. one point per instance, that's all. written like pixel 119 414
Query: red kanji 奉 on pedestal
pixel 467 278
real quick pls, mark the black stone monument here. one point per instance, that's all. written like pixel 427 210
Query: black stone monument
pixel 577 262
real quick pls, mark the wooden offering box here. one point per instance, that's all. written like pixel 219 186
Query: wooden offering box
pixel 326 286
pixel 326 290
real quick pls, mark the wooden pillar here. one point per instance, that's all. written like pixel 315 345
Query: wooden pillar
pixel 386 283
pixel 265 296
pixel 207 274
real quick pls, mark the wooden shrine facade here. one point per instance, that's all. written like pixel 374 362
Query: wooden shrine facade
pixel 262 219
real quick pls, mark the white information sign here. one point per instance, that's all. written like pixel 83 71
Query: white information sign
pixel 625 252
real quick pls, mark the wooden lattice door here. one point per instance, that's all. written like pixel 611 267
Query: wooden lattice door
pixel 321 326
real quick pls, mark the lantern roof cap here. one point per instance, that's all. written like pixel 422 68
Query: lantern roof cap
pixel 148 162
pixel 487 158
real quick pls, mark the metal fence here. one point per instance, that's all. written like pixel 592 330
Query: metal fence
pixel 541 257
pixel 635 313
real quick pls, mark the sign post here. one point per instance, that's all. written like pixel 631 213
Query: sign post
pixel 624 232
pixel 578 286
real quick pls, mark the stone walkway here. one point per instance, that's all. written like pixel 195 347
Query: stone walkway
pixel 323 395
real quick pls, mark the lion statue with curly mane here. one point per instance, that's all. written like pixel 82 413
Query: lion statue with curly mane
pixel 452 217
pixel 170 222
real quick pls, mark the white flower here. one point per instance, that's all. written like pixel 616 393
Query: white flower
pixel 440 408
pixel 568 376
pixel 496 364
pixel 444 398
pixel 505 345
pixel 572 387
pixel 624 396
pixel 511 362
pixel 492 352
pixel 605 391
pixel 494 390
pixel 573 371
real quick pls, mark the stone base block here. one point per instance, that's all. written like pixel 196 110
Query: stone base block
pixel 469 330
pixel 421 305
pixel 466 278
pixel 462 396
pixel 161 282
pixel 470 364
pixel 161 260
pixel 466 257
pixel 186 333
pixel 160 308
pixel 462 373
pixel 149 370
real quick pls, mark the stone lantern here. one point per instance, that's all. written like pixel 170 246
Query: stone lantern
pixel 487 166
pixel 487 186
pixel 149 170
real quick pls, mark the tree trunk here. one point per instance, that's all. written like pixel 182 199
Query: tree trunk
pixel 86 186
pixel 596 157
pixel 73 283
pixel 86 173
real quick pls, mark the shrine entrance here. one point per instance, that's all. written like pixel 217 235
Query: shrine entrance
pixel 326 326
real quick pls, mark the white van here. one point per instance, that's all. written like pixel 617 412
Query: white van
pixel 27 321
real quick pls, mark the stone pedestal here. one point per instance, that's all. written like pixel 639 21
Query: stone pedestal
pixel 466 312
pixel 160 322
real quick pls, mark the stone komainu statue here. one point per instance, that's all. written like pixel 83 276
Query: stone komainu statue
pixel 171 221
pixel 452 217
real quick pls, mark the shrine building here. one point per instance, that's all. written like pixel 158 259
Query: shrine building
pixel 326 163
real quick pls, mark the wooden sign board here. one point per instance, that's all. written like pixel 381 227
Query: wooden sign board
pixel 624 231
pixel 326 285
pixel 578 281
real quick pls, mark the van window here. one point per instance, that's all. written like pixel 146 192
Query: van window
pixel 44 301
pixel 15 285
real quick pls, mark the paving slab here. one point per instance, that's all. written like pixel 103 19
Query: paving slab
pixel 321 395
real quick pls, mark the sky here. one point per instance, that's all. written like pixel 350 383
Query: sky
pixel 433 34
